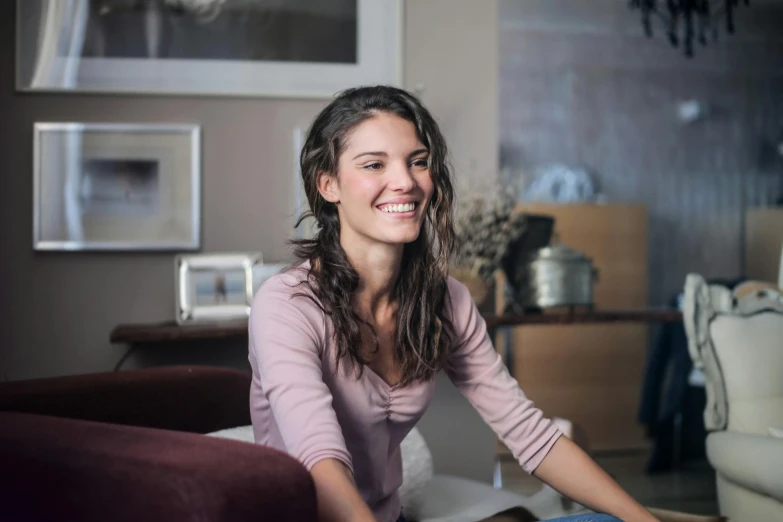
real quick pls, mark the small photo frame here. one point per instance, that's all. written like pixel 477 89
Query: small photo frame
pixel 215 287
pixel 116 186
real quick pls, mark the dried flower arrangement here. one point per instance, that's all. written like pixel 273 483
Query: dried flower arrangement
pixel 485 227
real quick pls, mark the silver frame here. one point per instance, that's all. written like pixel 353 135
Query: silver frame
pixel 187 312
pixel 247 79
pixel 194 130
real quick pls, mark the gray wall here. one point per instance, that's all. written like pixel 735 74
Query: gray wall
pixel 58 308
pixel 581 85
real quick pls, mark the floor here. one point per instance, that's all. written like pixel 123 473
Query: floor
pixel 690 489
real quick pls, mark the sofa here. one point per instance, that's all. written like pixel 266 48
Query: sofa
pixel 736 339
pixel 129 446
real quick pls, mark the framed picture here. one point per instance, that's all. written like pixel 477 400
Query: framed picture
pixel 309 226
pixel 214 287
pixel 104 186
pixel 284 48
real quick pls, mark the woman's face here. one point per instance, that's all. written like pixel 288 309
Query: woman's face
pixel 383 185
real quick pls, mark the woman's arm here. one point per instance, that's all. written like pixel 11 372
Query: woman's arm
pixel 338 498
pixel 573 473
pixel 285 333
pixel 479 373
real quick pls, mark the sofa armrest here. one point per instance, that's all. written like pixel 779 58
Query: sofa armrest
pixel 199 399
pixel 751 461
pixel 65 469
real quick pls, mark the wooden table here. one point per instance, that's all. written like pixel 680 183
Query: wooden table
pixel 137 335
pixel 170 331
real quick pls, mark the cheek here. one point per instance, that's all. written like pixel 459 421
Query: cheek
pixel 362 189
pixel 427 185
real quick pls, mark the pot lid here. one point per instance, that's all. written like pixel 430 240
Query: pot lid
pixel 560 252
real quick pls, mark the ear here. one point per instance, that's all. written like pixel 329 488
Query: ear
pixel 328 187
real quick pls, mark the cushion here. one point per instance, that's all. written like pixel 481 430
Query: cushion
pixel 427 497
pixel 751 461
pixel 240 433
pixel 416 473
pixel 416 463
pixel 750 354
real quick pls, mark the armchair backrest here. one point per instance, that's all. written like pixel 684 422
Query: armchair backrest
pixel 199 399
pixel 738 344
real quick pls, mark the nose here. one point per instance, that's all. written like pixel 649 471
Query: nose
pixel 401 178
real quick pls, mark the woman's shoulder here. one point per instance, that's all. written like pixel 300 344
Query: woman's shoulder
pixel 465 316
pixel 284 313
pixel 459 295
pixel 289 288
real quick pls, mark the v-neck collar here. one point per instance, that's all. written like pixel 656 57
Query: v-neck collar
pixel 383 381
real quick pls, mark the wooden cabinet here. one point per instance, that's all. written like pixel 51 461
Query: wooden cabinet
pixel 592 374
pixel 763 243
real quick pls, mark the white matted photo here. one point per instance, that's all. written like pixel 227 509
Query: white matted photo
pixel 114 186
pixel 284 48
pixel 214 287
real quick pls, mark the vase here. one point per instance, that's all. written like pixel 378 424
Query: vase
pixel 481 290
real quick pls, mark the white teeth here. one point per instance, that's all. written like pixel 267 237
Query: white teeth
pixel 406 207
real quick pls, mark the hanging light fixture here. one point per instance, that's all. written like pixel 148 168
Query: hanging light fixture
pixel 686 20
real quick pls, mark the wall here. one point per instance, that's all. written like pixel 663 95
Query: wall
pixel 581 85
pixel 59 308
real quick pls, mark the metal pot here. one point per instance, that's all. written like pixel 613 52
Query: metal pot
pixel 553 276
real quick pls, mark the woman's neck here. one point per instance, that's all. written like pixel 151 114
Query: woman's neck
pixel 378 266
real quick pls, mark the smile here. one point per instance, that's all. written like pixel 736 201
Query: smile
pixel 395 208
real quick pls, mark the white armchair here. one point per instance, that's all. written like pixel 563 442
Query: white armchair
pixel 737 341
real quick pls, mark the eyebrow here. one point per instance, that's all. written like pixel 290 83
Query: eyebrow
pixel 383 154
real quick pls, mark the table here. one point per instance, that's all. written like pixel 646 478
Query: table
pixel 137 335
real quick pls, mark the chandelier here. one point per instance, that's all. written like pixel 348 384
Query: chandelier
pixel 688 20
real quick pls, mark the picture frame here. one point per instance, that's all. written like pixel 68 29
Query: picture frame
pixel 214 287
pixel 308 48
pixel 116 186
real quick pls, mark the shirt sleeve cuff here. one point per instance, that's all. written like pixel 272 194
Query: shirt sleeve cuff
pixel 343 456
pixel 551 436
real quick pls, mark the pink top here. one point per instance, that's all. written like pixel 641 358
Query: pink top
pixel 300 405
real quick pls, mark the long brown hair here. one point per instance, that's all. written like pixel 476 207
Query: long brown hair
pixel 423 332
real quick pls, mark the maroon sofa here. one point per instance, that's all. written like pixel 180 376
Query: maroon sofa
pixel 128 446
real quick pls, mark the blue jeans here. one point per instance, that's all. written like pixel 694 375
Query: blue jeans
pixel 590 517
pixel 574 518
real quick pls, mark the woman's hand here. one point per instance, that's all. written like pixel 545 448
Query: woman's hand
pixel 573 473
pixel 338 498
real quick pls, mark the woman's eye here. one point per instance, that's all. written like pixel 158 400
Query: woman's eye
pixel 373 166
pixel 421 163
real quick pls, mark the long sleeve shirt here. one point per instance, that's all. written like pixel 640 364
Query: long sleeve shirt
pixel 301 404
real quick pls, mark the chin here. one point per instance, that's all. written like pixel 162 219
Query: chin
pixel 404 239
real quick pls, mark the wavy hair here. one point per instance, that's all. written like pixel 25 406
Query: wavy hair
pixel 423 331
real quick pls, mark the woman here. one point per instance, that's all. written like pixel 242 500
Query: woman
pixel 345 345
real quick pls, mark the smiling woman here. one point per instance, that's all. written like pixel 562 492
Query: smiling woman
pixel 345 345
pixel 381 196
pixel 366 155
